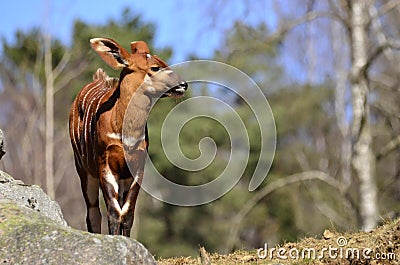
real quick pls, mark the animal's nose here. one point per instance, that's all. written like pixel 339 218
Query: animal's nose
pixel 183 85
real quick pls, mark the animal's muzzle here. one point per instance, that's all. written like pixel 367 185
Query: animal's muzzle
pixel 177 91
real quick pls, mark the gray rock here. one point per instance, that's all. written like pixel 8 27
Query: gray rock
pixel 2 152
pixel 27 237
pixel 33 231
pixel 31 196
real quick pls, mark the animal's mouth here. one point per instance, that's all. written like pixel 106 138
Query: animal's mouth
pixel 177 91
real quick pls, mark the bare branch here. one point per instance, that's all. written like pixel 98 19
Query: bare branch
pixel 389 147
pixel 280 183
pixel 385 45
pixel 386 82
pixel 70 75
pixel 325 209
pixel 387 7
pixel 385 108
pixel 310 16
pixel 388 44
pixel 62 64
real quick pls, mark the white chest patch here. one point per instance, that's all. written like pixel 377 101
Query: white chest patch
pixel 116 136
pixel 132 141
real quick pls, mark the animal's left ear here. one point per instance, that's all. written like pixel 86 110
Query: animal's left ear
pixel 141 51
pixel 111 52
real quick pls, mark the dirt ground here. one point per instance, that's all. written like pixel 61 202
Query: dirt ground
pixel 380 246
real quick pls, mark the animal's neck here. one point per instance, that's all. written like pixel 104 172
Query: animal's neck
pixel 132 107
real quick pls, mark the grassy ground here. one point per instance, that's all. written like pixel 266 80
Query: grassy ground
pixel 380 246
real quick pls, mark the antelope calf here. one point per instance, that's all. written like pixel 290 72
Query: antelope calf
pixel 95 125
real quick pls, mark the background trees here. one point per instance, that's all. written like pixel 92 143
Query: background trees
pixel 330 72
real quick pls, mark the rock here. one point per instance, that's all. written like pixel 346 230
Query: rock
pixel 2 152
pixel 33 231
pixel 204 256
pixel 31 196
pixel 328 234
pixel 248 258
pixel 27 237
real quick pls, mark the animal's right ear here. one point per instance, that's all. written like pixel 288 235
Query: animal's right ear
pixel 111 52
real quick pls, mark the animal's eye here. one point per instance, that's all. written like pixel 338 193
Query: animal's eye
pixel 155 68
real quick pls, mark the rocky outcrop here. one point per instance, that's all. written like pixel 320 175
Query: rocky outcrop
pixel 31 196
pixel 33 231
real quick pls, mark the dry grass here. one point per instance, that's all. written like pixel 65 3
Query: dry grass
pixel 382 240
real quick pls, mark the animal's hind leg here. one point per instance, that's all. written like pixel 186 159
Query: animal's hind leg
pixel 90 190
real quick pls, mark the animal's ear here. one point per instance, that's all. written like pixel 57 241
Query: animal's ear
pixel 139 47
pixel 111 52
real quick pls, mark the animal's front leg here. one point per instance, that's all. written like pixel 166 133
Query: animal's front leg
pixel 128 209
pixel 109 187
pixel 136 161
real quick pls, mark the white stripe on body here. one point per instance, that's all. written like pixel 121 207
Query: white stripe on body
pixel 85 120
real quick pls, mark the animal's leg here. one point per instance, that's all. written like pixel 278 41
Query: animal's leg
pixel 124 185
pixel 90 190
pixel 136 159
pixel 128 209
pixel 109 186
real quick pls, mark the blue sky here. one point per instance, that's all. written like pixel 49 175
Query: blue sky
pixel 187 26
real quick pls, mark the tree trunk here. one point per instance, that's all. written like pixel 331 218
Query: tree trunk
pixel 363 160
pixel 49 146
pixel 338 38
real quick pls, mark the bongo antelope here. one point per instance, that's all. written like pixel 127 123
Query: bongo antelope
pixel 95 125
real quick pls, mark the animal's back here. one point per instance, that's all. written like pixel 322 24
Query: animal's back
pixel 84 114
